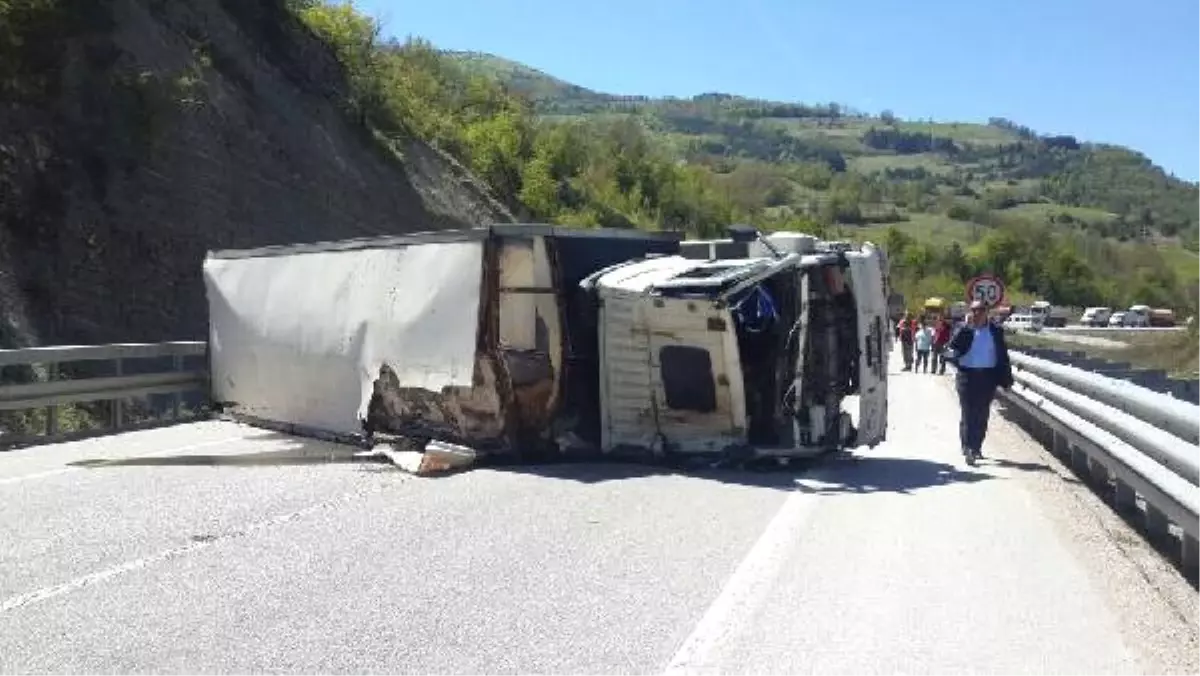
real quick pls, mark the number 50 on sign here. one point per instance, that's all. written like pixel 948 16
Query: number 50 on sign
pixel 986 288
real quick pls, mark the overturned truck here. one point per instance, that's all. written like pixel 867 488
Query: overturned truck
pixel 532 342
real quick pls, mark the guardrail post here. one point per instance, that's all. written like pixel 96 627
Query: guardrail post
pixel 52 411
pixel 1124 497
pixel 1080 464
pixel 118 417
pixel 1098 473
pixel 177 398
pixel 1060 445
pixel 1190 554
pixel 1158 526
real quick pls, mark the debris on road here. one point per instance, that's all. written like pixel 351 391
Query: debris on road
pixel 437 458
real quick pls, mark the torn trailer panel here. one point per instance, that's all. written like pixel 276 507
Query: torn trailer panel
pixel 479 337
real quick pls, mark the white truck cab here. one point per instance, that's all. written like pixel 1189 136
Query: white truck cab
pixel 745 346
pixel 1045 314
pixel 1095 316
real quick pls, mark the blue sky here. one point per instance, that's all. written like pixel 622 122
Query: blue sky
pixel 1113 71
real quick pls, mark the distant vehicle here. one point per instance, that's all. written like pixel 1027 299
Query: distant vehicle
pixel 1137 316
pixel 1023 321
pixel 1162 317
pixel 1049 315
pixel 934 307
pixel 1096 316
pixel 1116 319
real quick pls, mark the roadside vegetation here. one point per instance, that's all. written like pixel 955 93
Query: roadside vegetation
pixel 1176 352
pixel 1081 224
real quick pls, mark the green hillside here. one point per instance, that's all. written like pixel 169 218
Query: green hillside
pixel 936 182
pixel 1075 222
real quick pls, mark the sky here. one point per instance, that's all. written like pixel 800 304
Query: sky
pixel 1111 71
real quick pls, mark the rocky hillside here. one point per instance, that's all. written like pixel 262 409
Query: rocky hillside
pixel 135 135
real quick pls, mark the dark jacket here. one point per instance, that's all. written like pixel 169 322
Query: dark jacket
pixel 960 344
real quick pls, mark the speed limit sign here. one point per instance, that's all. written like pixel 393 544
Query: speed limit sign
pixel 986 288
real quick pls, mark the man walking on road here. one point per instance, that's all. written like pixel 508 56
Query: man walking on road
pixel 904 332
pixel 980 353
pixel 941 338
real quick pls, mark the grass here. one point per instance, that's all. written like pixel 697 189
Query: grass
pixel 930 228
pixel 869 164
pixel 1043 212
pixel 1184 263
pixel 1176 352
pixel 962 132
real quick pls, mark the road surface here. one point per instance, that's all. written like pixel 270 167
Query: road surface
pixel 219 548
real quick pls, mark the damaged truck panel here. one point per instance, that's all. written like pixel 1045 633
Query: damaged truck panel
pixel 697 376
pixel 867 279
pixel 300 339
pixel 530 331
pixel 626 390
pixel 459 336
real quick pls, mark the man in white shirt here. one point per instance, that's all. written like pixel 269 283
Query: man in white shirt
pixel 980 354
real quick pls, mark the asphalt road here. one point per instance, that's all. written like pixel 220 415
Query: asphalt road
pixel 219 548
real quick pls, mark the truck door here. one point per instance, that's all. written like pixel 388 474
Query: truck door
pixel 698 389
pixel 866 280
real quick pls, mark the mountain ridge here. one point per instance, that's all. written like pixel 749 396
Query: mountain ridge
pixel 542 86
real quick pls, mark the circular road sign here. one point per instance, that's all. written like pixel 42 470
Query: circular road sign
pixel 987 288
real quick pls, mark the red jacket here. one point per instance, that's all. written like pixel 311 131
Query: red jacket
pixel 941 334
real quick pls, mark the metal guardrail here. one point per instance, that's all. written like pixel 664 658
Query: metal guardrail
pixel 1141 444
pixel 53 391
pixel 1155 380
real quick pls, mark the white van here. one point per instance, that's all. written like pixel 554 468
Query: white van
pixel 1023 322
pixel 752 355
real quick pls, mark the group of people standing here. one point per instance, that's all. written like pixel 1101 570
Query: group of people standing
pixel 922 344
pixel 980 355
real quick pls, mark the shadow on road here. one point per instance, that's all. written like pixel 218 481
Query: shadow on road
pixel 840 473
pixel 288 450
pixel 1023 466
pixel 892 475
pixel 599 472
pixel 285 450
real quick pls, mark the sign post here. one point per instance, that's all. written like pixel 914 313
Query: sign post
pixel 986 288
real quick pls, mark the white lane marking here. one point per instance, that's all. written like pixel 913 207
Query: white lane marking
pixel 165 451
pixel 745 589
pixel 47 593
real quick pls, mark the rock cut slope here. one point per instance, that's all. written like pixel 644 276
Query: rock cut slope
pixel 135 135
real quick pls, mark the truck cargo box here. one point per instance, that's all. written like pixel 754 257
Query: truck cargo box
pixel 478 337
